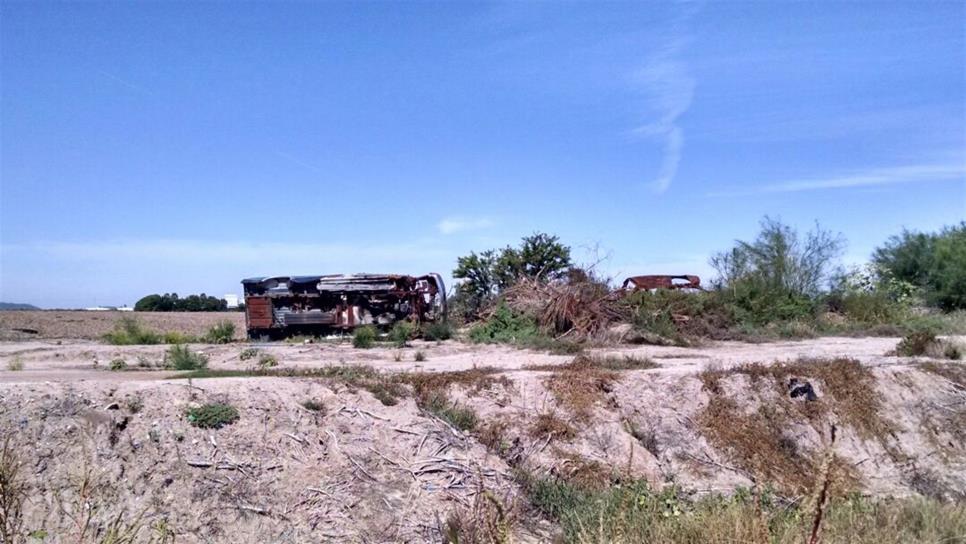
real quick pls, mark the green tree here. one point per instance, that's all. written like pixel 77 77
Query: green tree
pixel 484 275
pixel 780 274
pixel 933 262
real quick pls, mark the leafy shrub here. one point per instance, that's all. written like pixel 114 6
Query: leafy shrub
pixel 179 357
pixel 178 337
pixel 248 353
pixel 364 337
pixel 440 330
pixel 267 361
pixel 118 364
pixel 212 416
pixel 401 332
pixel 505 326
pixel 129 331
pixel 222 332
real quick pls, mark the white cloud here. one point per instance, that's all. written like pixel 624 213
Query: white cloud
pixel 919 173
pixel 452 225
pixel 670 89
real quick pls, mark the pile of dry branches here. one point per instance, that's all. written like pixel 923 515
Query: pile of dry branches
pixel 575 309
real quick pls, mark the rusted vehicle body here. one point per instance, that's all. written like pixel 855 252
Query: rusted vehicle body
pixel 284 305
pixel 646 283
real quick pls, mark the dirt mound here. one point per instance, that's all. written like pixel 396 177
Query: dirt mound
pixel 124 457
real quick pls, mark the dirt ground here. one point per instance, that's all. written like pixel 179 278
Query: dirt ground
pixel 32 325
pixel 99 446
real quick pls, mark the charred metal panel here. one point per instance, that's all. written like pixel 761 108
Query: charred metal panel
pixel 258 312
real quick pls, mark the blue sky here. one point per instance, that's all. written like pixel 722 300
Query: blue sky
pixel 160 146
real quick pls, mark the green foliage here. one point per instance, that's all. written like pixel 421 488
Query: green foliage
pixel 505 326
pixel 171 302
pixel 118 364
pixel 267 361
pixel 179 357
pixel 632 512
pixel 129 331
pixel 212 416
pixel 778 276
pixel 177 337
pixel 401 332
pixel 935 263
pixel 540 256
pixel 248 353
pixel 222 332
pixel 364 337
pixel 461 417
pixel 440 330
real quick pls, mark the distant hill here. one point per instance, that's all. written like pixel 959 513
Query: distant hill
pixel 16 306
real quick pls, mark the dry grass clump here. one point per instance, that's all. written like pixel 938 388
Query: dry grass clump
pixel 606 362
pixel 759 444
pixel 493 435
pixel 488 520
pixel 759 441
pixel 586 474
pixel 954 372
pixel 849 388
pixel 473 380
pixel 579 388
pixel 548 425
pixel 13 493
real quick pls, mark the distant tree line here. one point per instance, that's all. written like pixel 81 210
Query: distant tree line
pixel 171 302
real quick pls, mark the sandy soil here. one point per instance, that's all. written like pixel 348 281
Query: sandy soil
pixel 32 325
pixel 365 472
pixel 71 360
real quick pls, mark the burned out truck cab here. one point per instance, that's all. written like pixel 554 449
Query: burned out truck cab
pixel 284 305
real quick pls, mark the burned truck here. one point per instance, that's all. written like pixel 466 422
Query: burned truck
pixel 281 306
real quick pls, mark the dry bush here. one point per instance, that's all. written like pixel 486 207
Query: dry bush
pixel 578 309
pixel 488 520
pixel 13 492
pixel 549 425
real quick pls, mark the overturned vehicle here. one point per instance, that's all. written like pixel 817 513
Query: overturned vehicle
pixel 281 306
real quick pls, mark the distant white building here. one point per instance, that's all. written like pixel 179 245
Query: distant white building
pixel 232 301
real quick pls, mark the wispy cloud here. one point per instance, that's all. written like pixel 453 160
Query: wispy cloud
pixel 918 173
pixel 670 86
pixel 295 160
pixel 452 225
pixel 130 85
